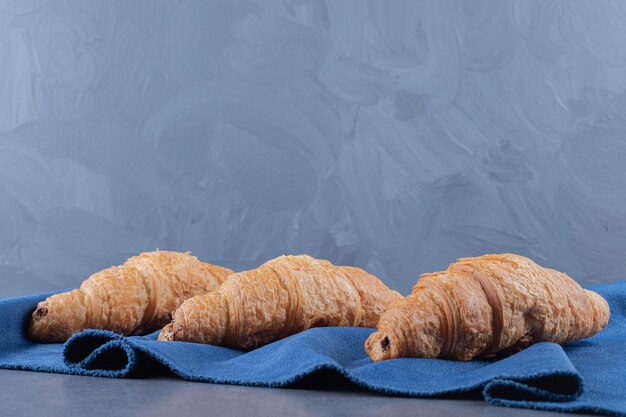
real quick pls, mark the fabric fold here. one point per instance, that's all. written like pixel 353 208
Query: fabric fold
pixel 100 353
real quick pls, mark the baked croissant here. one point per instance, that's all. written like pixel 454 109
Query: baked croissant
pixel 284 296
pixel 487 305
pixel 134 298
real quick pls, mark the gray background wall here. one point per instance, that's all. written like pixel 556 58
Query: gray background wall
pixel 396 136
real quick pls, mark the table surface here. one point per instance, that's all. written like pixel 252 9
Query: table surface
pixel 24 393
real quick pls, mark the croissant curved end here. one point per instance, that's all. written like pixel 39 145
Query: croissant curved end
pixel 379 347
pixel 56 318
pixel 167 333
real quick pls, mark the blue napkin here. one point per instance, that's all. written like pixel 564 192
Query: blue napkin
pixel 587 376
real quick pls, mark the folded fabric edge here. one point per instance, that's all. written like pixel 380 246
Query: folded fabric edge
pixel 306 372
pixel 291 379
pixel 115 359
pixel 83 344
pixel 189 376
pixel 529 389
pixel 560 406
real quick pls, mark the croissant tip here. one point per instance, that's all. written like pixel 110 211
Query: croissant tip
pixel 40 313
pixel 384 344
pixel 378 346
pixel 166 334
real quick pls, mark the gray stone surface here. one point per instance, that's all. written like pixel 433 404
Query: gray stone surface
pixel 31 393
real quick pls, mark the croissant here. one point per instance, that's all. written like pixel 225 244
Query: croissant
pixel 284 296
pixel 134 298
pixel 493 304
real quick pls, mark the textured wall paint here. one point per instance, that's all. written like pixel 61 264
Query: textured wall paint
pixel 396 136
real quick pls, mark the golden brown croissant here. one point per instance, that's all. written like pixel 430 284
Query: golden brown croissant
pixel 136 297
pixel 485 305
pixel 284 296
